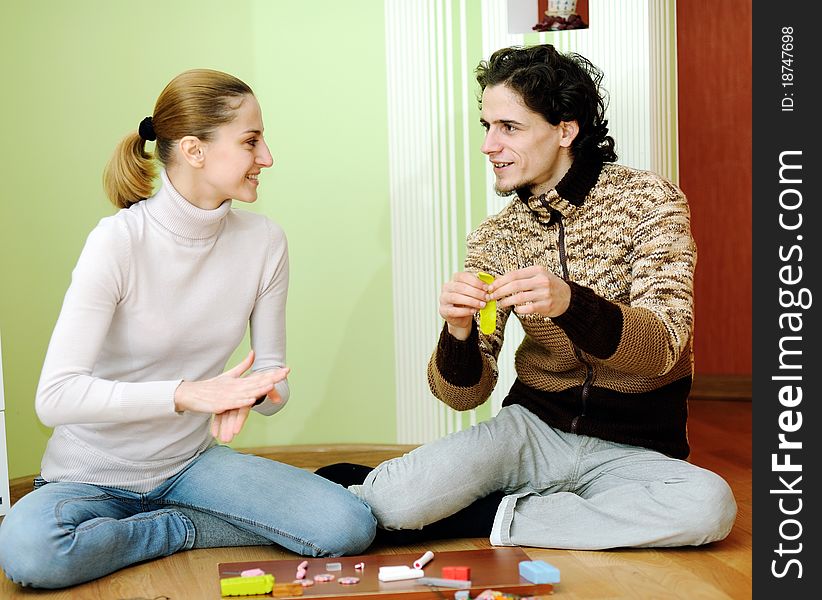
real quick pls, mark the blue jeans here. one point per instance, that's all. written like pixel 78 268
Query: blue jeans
pixel 562 490
pixel 62 534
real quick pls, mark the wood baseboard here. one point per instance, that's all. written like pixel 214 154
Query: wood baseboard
pixel 314 456
pixel 721 387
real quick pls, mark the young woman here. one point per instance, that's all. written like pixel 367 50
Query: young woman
pixel 133 380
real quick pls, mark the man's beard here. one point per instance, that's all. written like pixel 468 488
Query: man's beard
pixel 523 192
pixel 521 188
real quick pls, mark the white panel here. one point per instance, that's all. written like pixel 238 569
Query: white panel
pixel 424 200
pixel 5 500
pixel 522 15
pixel 2 394
pixel 410 170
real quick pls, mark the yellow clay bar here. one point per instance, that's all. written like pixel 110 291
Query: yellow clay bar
pixel 488 315
pixel 247 586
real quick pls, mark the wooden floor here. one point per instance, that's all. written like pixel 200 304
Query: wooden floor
pixel 720 436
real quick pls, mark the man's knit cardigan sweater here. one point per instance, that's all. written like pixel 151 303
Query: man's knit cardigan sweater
pixel 618 363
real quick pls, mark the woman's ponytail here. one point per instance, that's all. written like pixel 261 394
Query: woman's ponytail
pixel 130 173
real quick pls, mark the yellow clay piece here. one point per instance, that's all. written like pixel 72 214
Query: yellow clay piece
pixel 488 315
pixel 246 586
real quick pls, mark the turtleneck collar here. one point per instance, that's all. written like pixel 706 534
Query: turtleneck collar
pixel 567 196
pixel 180 217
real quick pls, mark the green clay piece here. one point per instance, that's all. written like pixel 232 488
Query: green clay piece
pixel 488 315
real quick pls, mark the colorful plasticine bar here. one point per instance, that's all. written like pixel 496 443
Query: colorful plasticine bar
pixel 538 571
pixel 488 314
pixel 246 586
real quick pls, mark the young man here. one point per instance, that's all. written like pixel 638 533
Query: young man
pixel 596 260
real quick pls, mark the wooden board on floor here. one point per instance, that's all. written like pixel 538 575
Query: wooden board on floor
pixel 496 569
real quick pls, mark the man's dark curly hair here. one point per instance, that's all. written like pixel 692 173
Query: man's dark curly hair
pixel 560 87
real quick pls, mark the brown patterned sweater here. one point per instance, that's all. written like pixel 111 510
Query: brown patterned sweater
pixel 618 363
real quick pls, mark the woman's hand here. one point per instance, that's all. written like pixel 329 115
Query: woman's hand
pixel 224 426
pixel 228 396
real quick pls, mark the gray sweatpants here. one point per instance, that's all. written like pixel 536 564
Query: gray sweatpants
pixel 562 490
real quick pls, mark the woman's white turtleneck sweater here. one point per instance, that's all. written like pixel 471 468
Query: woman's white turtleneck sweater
pixel 162 292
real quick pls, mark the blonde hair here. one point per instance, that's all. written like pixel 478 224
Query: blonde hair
pixel 196 103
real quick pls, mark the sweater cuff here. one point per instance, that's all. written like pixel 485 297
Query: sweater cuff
pixel 591 322
pixel 147 400
pixel 459 362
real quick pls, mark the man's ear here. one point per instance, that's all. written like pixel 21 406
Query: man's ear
pixel 570 129
pixel 193 150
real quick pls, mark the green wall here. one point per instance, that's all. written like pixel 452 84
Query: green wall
pixel 80 74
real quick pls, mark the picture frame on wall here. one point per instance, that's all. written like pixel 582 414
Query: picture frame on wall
pixel 561 15
pixel 528 16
